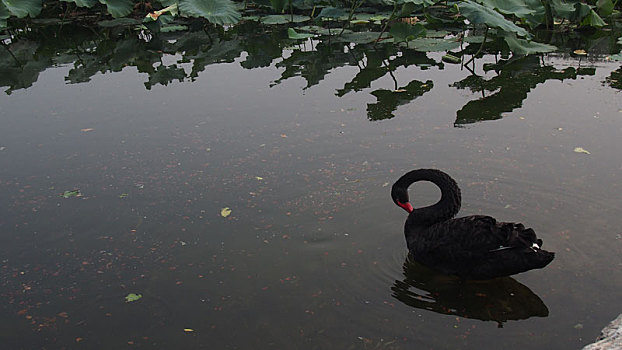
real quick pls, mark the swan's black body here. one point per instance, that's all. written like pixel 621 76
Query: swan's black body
pixel 472 247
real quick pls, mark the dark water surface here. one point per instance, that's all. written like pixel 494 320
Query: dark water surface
pixel 312 255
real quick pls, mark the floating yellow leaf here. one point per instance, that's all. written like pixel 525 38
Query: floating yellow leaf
pixel 259 177
pixel 580 52
pixel 581 150
pixel 133 297
pixel 187 330
pixel 224 212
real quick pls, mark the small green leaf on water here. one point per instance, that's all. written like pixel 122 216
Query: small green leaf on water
pixel 73 193
pixel 451 59
pixel 123 195
pixel 292 34
pixel 132 297
pixel 616 57
pixel 581 150
pixel 224 212
pixel 175 28
pixel 118 22
pixel 434 44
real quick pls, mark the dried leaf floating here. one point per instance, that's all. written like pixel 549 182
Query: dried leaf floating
pixel 581 150
pixel 72 193
pixel 224 212
pixel 132 297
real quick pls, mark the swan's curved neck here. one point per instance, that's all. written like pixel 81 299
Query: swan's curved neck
pixel 446 208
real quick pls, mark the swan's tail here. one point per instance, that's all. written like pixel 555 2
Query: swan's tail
pixel 524 248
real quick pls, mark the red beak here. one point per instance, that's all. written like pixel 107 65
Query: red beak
pixel 406 206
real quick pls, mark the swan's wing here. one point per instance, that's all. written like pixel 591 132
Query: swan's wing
pixel 478 246
pixel 472 236
pixel 482 234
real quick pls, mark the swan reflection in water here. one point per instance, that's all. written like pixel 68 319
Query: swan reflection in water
pixel 500 299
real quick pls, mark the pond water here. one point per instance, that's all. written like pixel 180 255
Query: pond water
pixel 302 150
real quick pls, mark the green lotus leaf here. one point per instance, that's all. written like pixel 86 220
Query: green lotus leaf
pixel 119 22
pixel 282 19
pixel 23 8
pixel 358 37
pixel 562 9
pixel 402 31
pixel 216 11
pixel 518 8
pixel 616 57
pixel 525 47
pixel 118 8
pixel 293 34
pixel 83 3
pixel 324 31
pixel 173 28
pixel 478 14
pixel 593 20
pixel 279 5
pixel 434 44
pixel 332 12
pixel 605 7
pixel 4 14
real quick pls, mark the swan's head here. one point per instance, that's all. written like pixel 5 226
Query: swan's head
pixel 406 206
pixel 400 198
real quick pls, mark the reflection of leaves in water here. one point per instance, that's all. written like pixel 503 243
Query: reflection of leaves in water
pixel 376 67
pixel 261 52
pixel 20 65
pixel 615 79
pixel 313 65
pixel 262 48
pixel 111 55
pixel 124 54
pixel 165 75
pixel 90 52
pixel 498 300
pixel 388 100
pixel 515 79
pixel 219 52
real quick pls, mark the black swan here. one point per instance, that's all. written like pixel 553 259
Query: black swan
pixel 471 247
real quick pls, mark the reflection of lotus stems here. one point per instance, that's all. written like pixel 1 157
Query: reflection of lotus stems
pixel 480 47
pixel 388 65
pixel 19 64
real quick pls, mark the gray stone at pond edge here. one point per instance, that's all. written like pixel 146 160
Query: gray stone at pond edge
pixel 610 337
